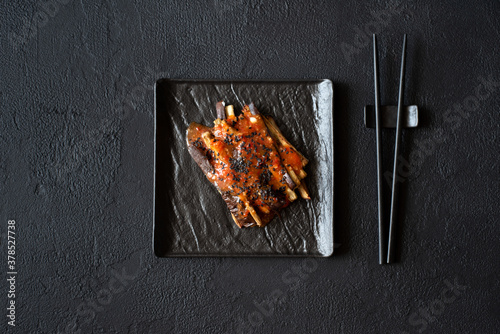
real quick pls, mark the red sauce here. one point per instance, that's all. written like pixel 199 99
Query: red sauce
pixel 245 160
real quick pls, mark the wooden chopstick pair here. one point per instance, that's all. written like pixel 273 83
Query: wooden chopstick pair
pixel 381 222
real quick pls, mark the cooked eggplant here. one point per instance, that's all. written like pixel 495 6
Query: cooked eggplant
pixel 250 163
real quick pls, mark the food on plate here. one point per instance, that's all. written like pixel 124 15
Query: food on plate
pixel 253 166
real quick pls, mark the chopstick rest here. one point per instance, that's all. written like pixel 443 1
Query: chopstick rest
pixel 389 116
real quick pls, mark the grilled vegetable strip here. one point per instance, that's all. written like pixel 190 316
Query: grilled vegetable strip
pixel 292 159
pixel 220 110
pixel 303 190
pixel 301 186
pixel 282 148
pixel 291 195
pixel 201 159
pixel 230 111
pixel 254 214
pixel 275 132
pixel 294 176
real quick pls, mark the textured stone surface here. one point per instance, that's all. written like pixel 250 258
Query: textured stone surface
pixel 76 164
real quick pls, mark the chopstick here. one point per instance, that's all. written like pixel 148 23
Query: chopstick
pixel 390 249
pixel 381 225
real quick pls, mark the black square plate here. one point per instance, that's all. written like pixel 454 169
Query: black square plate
pixel 190 217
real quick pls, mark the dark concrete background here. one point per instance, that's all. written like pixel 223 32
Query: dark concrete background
pixel 76 164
